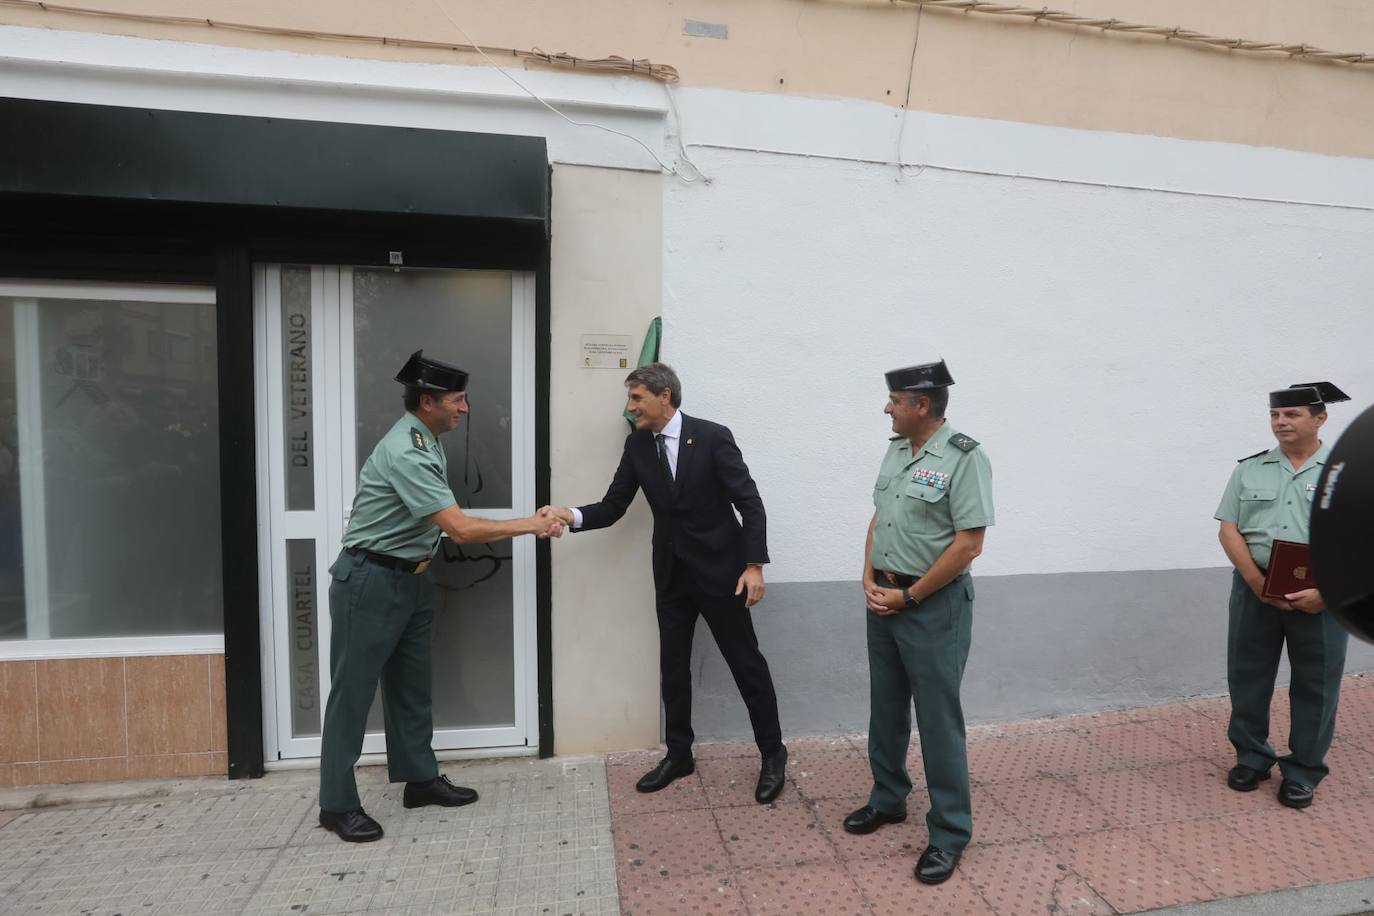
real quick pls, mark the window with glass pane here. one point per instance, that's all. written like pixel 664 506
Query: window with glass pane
pixel 459 317
pixel 109 468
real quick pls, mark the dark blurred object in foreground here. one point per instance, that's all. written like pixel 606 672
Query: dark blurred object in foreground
pixel 1343 528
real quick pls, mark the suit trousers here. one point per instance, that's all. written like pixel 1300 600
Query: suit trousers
pixel 918 656
pixel 381 621
pixel 732 625
pixel 1316 655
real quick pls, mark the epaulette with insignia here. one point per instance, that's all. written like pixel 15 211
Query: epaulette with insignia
pixel 1263 451
pixel 417 439
pixel 963 443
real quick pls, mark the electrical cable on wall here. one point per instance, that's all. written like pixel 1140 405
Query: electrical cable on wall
pixel 610 130
pixel 628 66
pixel 662 73
pixel 681 145
pixel 665 73
pixel 1175 33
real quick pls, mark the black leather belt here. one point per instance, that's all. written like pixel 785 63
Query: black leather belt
pixel 406 566
pixel 893 579
pixel 902 580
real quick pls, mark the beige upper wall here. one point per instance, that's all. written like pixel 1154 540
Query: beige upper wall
pixel 966 64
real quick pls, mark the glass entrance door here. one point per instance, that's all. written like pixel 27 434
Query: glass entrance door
pixel 329 341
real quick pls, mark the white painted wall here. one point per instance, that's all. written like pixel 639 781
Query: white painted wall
pixel 1112 347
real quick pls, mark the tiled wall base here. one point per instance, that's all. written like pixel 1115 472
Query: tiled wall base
pixel 106 719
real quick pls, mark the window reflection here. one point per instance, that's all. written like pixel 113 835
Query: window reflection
pixel 109 469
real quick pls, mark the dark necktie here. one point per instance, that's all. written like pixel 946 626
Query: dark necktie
pixel 663 463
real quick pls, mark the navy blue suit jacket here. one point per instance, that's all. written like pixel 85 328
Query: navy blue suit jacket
pixel 694 520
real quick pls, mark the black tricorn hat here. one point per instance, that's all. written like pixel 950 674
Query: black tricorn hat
pixel 916 378
pixel 1341 546
pixel 1307 394
pixel 431 375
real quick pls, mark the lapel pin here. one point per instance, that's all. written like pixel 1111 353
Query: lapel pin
pixel 689 441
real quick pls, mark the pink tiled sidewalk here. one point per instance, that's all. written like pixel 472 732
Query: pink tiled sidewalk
pixel 1113 813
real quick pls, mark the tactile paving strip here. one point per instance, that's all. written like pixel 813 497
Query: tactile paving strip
pixel 1130 745
pixel 889 886
pixel 905 839
pixel 1323 853
pixel 668 843
pixel 684 895
pixel 1127 871
pixel 1046 806
pixel 1026 877
pixel 816 890
pixel 681 794
pixel 1026 756
pixel 766 836
pixel 731 780
pixel 1222 858
pixel 834 774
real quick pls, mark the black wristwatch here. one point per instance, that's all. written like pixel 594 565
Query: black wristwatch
pixel 912 602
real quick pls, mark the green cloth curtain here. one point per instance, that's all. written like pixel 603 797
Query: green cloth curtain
pixel 648 354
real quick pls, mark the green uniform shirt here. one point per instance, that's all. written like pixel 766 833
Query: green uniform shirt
pixel 923 499
pixel 1268 500
pixel 403 483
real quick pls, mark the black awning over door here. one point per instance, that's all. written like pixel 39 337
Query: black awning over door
pixel 102 151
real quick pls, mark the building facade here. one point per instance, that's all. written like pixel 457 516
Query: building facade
pixel 221 237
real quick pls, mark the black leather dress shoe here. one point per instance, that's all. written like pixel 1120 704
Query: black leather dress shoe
pixel 1244 779
pixel 868 819
pixel 935 865
pixel 668 769
pixel 351 826
pixel 1295 794
pixel 772 775
pixel 437 791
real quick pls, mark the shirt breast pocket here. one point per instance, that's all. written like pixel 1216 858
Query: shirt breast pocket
pixel 925 493
pixel 882 485
pixel 1258 495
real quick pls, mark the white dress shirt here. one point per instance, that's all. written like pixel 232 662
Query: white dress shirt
pixel 671 434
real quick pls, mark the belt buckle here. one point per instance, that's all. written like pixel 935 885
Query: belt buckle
pixel 891 579
pixel 421 566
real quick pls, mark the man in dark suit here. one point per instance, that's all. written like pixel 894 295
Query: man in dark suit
pixel 705 562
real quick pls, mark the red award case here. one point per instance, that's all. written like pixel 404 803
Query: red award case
pixel 1290 569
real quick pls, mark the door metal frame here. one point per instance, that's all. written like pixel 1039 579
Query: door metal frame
pixel 335 481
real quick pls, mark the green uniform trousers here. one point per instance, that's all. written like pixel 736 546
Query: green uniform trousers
pixel 918 656
pixel 1316 655
pixel 380 628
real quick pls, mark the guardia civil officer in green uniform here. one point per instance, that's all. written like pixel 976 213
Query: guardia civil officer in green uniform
pixel 381 604
pixel 933 500
pixel 1268 498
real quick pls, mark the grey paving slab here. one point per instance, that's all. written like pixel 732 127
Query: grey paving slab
pixel 538 841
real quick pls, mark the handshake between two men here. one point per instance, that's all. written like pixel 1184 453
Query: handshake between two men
pixel 705 563
pixel 552 521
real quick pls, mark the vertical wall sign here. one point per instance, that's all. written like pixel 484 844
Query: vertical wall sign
pixel 305 675
pixel 296 411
